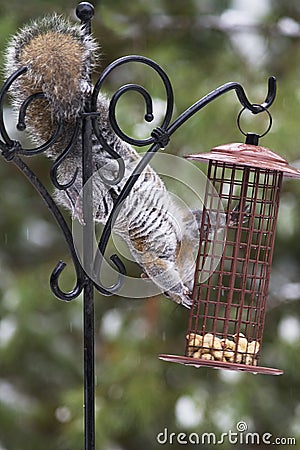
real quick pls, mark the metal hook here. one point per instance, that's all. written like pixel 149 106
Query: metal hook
pixel 114 258
pixel 119 265
pixel 53 208
pixel 256 108
pixel 65 296
pixel 271 93
pixel 238 88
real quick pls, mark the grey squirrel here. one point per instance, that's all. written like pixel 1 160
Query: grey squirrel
pixel 161 237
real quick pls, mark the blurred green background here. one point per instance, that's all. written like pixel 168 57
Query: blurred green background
pixel 201 44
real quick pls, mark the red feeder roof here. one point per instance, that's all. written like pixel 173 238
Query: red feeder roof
pixel 248 155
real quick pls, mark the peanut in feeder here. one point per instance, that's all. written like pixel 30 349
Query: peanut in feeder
pixel 227 317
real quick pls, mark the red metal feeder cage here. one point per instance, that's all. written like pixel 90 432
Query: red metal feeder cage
pixel 230 287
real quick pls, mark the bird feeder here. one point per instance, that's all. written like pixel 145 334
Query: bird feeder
pixel 230 291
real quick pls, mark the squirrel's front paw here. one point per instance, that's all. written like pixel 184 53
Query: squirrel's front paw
pixel 181 298
pixel 186 299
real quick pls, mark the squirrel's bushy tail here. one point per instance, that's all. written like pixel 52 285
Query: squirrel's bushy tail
pixel 58 55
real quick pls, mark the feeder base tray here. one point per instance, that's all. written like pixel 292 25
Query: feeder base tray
pixel 220 365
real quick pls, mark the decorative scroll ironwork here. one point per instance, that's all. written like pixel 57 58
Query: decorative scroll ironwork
pixel 160 136
pixel 86 126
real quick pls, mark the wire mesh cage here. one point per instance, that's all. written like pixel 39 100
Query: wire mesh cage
pixel 233 266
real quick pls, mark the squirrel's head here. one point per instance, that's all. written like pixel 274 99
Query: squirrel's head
pixel 59 56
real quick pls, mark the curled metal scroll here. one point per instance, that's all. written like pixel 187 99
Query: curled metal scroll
pixel 21 126
pixel 11 151
pixel 80 275
pixel 160 136
pixel 9 145
pixel 137 88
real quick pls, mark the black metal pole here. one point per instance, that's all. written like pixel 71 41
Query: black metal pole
pixel 89 368
pixel 88 293
pixel 85 12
